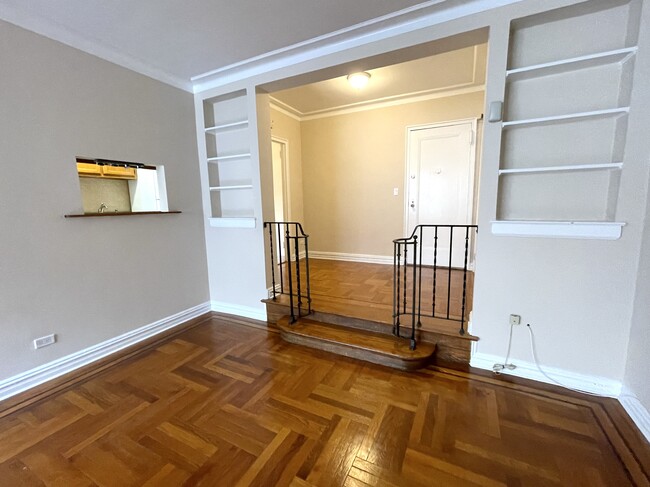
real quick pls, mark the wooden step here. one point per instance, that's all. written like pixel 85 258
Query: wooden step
pixel 365 345
pixel 452 349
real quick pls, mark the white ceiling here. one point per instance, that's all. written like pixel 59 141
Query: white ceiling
pixel 460 69
pixel 175 40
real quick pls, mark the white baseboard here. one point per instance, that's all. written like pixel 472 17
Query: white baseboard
pixel 39 375
pixel 528 370
pixel 367 258
pixel 238 310
pixel 637 411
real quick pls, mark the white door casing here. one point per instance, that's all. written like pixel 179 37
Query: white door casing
pixel 279 155
pixel 440 171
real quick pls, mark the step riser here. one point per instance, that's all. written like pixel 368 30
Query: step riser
pixel 451 351
pixel 366 356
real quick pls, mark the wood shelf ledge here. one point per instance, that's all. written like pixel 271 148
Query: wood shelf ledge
pixel 122 213
pixel 558 229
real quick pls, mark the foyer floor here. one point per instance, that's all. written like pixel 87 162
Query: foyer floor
pixel 223 404
pixel 364 290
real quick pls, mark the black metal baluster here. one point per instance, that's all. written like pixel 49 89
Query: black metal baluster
pixel 451 242
pixel 288 247
pixel 435 270
pixel 415 267
pixel 462 312
pixel 272 261
pixel 420 279
pixel 405 273
pixel 396 257
pixel 307 272
pixel 279 228
pixel 297 247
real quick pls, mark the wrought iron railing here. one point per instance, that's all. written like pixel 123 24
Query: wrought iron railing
pixel 289 257
pixel 431 249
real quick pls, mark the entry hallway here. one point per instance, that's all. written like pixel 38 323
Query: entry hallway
pixel 224 404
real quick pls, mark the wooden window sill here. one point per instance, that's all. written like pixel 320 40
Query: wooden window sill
pixel 122 213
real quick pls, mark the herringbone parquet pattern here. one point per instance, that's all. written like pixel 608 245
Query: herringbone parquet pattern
pixel 228 405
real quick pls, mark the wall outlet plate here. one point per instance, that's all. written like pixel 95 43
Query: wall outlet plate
pixel 515 320
pixel 44 341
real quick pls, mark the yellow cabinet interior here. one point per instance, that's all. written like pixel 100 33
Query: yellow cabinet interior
pixel 85 169
pixel 110 172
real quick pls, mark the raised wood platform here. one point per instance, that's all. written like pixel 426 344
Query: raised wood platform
pixel 377 348
pixel 452 349
pixel 359 296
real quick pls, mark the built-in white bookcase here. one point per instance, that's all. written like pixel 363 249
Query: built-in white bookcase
pixel 568 86
pixel 228 161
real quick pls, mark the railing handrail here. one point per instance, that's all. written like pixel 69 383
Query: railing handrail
pixel 429 225
pixel 297 225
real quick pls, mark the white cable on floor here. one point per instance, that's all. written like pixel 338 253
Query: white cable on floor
pixel 497 368
pixel 532 349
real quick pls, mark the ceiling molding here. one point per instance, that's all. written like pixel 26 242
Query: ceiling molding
pixel 420 16
pixel 59 33
pixel 390 101
pixel 383 102
pixel 288 110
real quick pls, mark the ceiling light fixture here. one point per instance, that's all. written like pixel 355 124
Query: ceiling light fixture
pixel 359 80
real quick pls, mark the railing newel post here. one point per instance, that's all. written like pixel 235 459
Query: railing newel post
pixel 413 305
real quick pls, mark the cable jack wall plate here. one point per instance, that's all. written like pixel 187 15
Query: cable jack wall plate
pixel 44 341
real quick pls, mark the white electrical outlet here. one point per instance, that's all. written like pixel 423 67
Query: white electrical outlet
pixel 44 341
pixel 515 320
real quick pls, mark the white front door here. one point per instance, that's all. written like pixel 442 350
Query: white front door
pixel 441 160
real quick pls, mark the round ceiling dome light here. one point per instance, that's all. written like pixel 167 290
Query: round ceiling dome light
pixel 359 80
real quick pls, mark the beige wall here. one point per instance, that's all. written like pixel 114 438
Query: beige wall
pixel 88 279
pixel 288 128
pixel 352 162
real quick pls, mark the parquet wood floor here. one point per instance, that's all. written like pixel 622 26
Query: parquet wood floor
pixel 223 404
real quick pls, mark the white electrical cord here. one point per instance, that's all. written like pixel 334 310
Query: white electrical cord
pixel 498 368
pixel 532 349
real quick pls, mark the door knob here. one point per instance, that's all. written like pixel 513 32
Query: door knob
pixel 412 204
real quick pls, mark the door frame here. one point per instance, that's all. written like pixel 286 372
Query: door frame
pixel 285 175
pixel 471 214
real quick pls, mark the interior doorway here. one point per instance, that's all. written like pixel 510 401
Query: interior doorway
pixel 349 157
pixel 440 169
pixel 279 151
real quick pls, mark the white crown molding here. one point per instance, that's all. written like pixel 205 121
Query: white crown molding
pixel 393 101
pixel 367 258
pixel 283 108
pixel 38 375
pixel 383 102
pixel 420 16
pixel 59 33
pixel 527 370
pixel 636 410
pixel 319 40
pixel 238 310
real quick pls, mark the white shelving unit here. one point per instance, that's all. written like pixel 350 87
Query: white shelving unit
pixel 575 167
pixel 606 112
pixel 563 136
pixel 229 161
